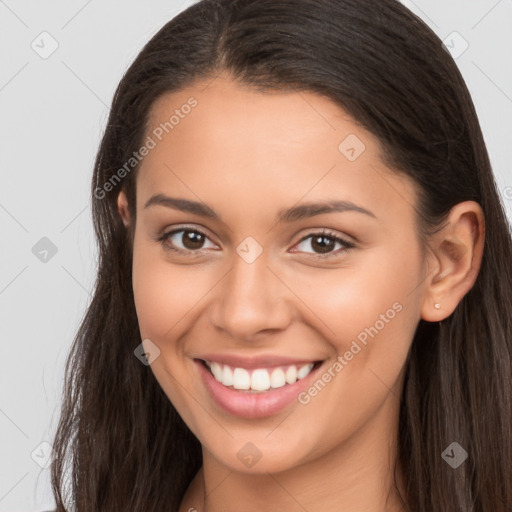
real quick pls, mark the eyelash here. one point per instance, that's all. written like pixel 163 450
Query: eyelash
pixel 193 253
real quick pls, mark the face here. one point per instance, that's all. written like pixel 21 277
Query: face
pixel 313 308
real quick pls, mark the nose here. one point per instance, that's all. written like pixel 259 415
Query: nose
pixel 251 300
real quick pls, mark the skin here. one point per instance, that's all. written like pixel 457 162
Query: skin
pixel 247 155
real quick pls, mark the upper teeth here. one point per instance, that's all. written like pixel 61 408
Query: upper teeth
pixel 260 379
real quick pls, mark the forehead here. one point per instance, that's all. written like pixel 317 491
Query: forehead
pixel 218 139
pixel 228 111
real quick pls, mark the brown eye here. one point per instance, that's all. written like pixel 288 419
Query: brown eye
pixel 192 239
pixel 184 240
pixel 324 243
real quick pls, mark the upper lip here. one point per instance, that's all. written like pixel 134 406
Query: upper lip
pixel 264 361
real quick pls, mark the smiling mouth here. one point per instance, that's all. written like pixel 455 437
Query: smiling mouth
pixel 258 380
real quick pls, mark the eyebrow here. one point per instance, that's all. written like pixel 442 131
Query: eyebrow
pixel 293 214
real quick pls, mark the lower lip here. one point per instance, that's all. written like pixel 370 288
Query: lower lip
pixel 253 405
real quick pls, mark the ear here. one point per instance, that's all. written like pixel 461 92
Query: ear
pixel 454 260
pixel 122 208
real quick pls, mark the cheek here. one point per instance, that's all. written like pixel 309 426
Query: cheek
pixel 372 314
pixel 164 293
pixel 368 314
pixel 379 289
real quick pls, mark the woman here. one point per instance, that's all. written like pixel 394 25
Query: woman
pixel 304 288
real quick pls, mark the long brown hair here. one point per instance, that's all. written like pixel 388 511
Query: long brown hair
pixel 120 444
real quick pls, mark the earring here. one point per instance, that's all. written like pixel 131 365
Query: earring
pixel 437 306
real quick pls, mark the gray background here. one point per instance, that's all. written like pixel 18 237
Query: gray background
pixel 53 111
